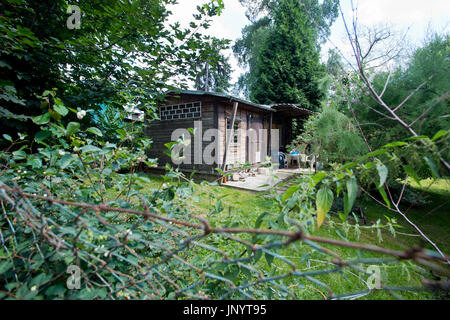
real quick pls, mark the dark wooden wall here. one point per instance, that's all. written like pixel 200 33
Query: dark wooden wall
pixel 160 131
pixel 215 111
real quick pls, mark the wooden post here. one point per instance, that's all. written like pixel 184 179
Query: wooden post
pixel 269 137
pixel 230 134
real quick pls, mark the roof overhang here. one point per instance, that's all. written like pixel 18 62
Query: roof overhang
pixel 283 109
pixel 291 110
pixel 223 96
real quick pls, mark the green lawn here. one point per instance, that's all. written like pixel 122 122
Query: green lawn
pixel 433 218
pixel 241 208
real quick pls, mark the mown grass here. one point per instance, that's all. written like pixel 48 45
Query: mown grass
pixel 242 208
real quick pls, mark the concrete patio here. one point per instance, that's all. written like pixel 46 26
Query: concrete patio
pixel 262 182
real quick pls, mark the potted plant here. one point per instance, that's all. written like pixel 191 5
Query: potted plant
pixel 265 166
pixel 234 173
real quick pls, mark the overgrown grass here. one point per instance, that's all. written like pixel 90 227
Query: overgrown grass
pixel 242 208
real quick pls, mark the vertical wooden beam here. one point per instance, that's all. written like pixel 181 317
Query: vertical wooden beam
pixel 230 134
pixel 247 139
pixel 269 137
pixel 216 141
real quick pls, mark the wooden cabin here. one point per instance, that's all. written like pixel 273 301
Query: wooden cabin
pixel 212 110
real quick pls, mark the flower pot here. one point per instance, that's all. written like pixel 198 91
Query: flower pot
pixel 263 170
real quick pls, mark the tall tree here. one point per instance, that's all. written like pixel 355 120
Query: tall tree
pixel 282 51
pixel 119 46
pixel 212 68
pixel 428 68
pixel 335 65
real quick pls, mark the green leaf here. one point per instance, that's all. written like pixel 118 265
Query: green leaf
pixel 7 137
pixel 257 256
pixel 219 207
pixel 439 134
pixel 269 258
pixel 369 165
pixel 95 131
pixel 19 155
pixel 338 188
pixel 342 215
pixel 170 145
pixel 289 192
pixel 395 144
pixel 72 127
pixel 348 166
pixel 90 148
pixel 35 163
pixel 66 160
pixel 383 173
pixel 40 279
pixel 42 119
pixel 56 290
pixel 5 266
pixel 232 273
pixel 412 173
pixel 433 167
pixel 260 219
pixel 417 138
pixel 42 135
pixel 324 200
pixel 350 196
pixel 373 154
pixel 384 195
pixel 318 177
pixel 61 109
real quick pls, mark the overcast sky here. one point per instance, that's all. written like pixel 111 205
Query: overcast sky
pixel 417 15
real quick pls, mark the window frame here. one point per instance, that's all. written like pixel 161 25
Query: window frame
pixel 181 111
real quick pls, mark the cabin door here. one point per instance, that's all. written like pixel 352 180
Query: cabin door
pixel 234 146
pixel 256 150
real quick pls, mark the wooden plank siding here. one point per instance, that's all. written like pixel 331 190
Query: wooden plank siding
pixel 160 132
pixel 214 113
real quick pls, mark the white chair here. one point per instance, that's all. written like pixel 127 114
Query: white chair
pixel 314 162
pixel 304 158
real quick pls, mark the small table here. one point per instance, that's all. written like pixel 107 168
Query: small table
pixel 297 157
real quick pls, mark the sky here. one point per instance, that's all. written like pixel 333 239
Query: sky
pixel 416 16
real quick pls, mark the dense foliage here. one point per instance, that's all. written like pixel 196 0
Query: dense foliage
pixel 351 102
pixel 71 204
pixel 70 190
pixel 430 60
pixel 282 52
pixel 332 135
pixel 120 48
pixel 212 69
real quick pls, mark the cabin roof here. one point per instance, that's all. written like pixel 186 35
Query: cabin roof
pixel 224 95
pixel 288 109
pixel 291 109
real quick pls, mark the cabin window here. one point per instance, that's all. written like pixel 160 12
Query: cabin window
pixel 235 137
pixel 182 111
